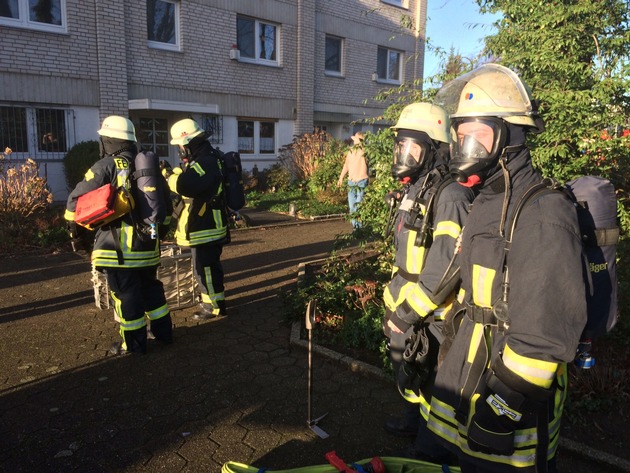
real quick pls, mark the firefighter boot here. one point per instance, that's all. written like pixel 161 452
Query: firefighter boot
pixel 206 311
pixel 407 425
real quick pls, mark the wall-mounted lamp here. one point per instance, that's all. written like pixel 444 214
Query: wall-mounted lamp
pixel 374 77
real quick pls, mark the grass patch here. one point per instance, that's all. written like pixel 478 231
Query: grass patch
pixel 305 205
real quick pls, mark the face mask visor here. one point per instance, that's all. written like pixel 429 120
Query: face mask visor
pixel 476 147
pixel 411 152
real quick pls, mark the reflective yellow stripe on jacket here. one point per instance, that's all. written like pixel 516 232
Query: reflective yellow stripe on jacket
pixel 106 258
pixel 482 279
pixel 444 425
pixel 538 372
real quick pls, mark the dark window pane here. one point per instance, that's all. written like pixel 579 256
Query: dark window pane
pixel 213 124
pixel 9 9
pixel 161 151
pixel 152 135
pixel 333 54
pixel 246 137
pixel 13 129
pixel 161 21
pixel 245 37
pixel 51 128
pixel 45 11
pixel 381 63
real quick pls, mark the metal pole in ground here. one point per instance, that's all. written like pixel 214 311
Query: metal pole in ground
pixel 309 323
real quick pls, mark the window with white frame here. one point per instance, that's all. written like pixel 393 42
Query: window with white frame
pixel 163 24
pixel 398 3
pixel 388 65
pixel 40 132
pixel 45 15
pixel 152 135
pixel 256 137
pixel 334 55
pixel 257 40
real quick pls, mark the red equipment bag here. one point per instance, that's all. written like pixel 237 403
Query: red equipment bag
pixel 101 206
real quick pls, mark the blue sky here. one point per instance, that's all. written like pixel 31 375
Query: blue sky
pixel 450 23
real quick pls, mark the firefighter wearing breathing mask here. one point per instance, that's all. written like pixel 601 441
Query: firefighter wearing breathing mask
pixel 202 218
pixel 499 392
pixel 425 227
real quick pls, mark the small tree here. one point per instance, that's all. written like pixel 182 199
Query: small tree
pixel 303 154
pixel 78 160
pixel 574 55
pixel 323 181
pixel 23 192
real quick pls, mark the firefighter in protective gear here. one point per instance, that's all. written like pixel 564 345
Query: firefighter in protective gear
pixel 499 392
pixel 128 259
pixel 202 222
pixel 426 226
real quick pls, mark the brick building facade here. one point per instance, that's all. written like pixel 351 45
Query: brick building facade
pixel 254 72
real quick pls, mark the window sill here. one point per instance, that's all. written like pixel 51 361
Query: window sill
pixel 256 62
pixel 336 75
pixel 163 46
pixel 388 82
pixel 41 28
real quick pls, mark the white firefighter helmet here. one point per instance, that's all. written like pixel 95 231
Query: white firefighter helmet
pixel 183 131
pixel 426 117
pixel 490 90
pixel 419 130
pixel 118 127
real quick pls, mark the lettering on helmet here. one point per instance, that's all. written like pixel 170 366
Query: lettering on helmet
pixel 469 96
pixel 596 268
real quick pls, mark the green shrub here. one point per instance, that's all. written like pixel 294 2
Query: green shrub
pixel 78 160
pixel 329 166
pixel 349 293
pixel 275 178
pixel 373 211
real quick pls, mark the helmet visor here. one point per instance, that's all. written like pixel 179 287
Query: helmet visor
pixel 490 90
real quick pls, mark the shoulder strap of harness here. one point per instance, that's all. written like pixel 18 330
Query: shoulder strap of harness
pixel 435 182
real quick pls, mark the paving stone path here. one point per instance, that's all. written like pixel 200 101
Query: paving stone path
pixel 233 389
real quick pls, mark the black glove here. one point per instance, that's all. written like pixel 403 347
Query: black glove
pixel 76 236
pixel 166 169
pixel 392 197
pixel 163 231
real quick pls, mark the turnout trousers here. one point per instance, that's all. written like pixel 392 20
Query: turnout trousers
pixel 138 294
pixel 209 275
